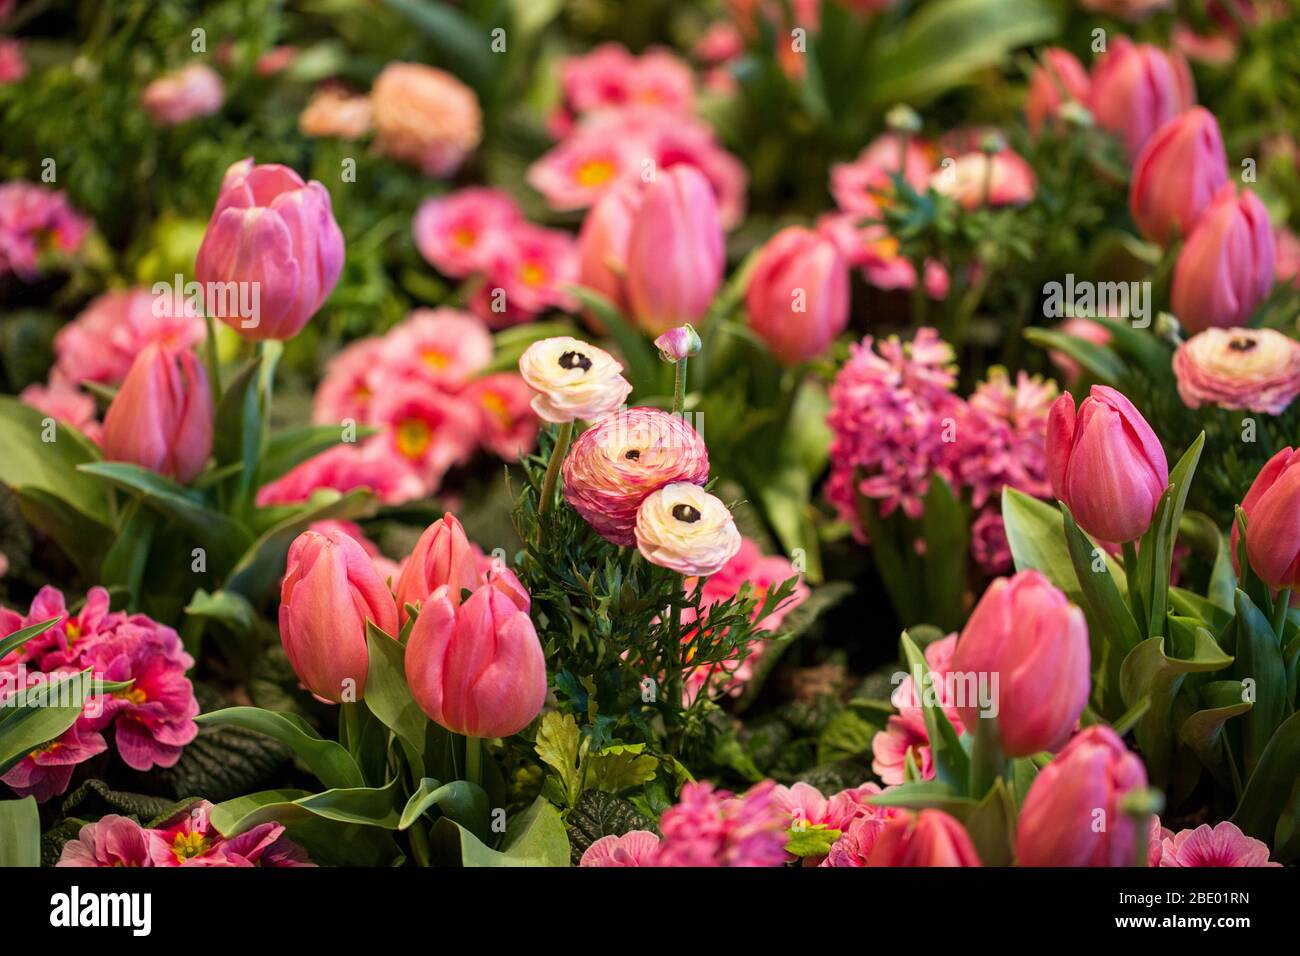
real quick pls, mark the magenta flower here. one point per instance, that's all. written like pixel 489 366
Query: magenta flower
pixel 1221 845
pixel 349 384
pixel 715 828
pixel 529 269
pixel 112 841
pixel 428 430
pixel 903 732
pixel 192 840
pixel 100 344
pixel 507 424
pixel 46 771
pixel 457 232
pixel 344 468
pixel 634 848
pixel 33 219
pixel 67 404
pixel 444 347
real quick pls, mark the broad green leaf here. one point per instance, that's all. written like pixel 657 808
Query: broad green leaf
pixel 228 430
pixel 20 833
pixel 951 763
pixel 365 806
pixel 464 802
pixel 82 539
pixel 46 712
pixel 945 528
pixel 560 747
pixel 1259 661
pixel 387 694
pixel 331 764
pixel 924 794
pixel 462 44
pixel 1155 556
pixel 289 448
pixel 17 639
pixel 535 837
pixel 227 607
pixel 810 841
pixel 31 463
pixel 991 824
pixel 1202 731
pixel 620 768
pixel 1107 367
pixel 125 563
pixel 1272 784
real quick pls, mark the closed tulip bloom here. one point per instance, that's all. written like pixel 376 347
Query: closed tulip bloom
pixel 1272 507
pixel 1136 89
pixel 272 252
pixel 675 251
pixel 1177 174
pixel 476 669
pixel 443 555
pixel 798 294
pixel 1072 815
pixel 330 589
pixel 1026 632
pixel 1058 79
pixel 602 242
pixel 1226 267
pixel 931 838
pixel 161 417
pixel 1105 463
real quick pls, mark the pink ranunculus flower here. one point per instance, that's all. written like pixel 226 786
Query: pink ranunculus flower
pixel 334 113
pixel 100 344
pixel 189 93
pixel 508 425
pixel 1106 464
pixel 931 838
pixel 1225 269
pixel 634 848
pixel 1136 89
pixel 429 430
pixel 162 416
pixel 709 827
pixel 67 404
pixel 528 271
pixel 444 346
pixel 275 238
pixel 111 841
pixel 351 379
pixel 1059 78
pixel 456 233
pixel 34 220
pixel 425 116
pixel 1253 369
pixel 978 179
pixel 623 457
pixel 1221 845
pixel 1178 173
pixel 867 182
pixel 443 555
pixel 346 467
pixel 797 299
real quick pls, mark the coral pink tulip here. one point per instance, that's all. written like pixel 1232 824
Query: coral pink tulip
pixel 931 838
pixel 602 243
pixel 1272 507
pixel 1105 463
pixel 1072 814
pixel 330 590
pixel 161 417
pixel 1025 631
pixel 1177 174
pixel 1226 267
pixel 476 669
pixel 272 252
pixel 798 294
pixel 1136 89
pixel 674 251
pixel 443 555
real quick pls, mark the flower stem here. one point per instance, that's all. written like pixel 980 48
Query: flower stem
pixel 563 435
pixel 1134 586
pixel 420 845
pixel 214 363
pixel 473 756
pixel 679 387
pixel 1281 604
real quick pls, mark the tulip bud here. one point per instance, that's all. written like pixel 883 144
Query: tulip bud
pixel 161 417
pixel 1106 464
pixel 602 242
pixel 1226 267
pixel 573 379
pixel 476 669
pixel 798 294
pixel 1072 815
pixel 931 838
pixel 1136 89
pixel 330 590
pixel 1025 631
pixel 679 343
pixel 1060 78
pixel 683 527
pixel 1272 533
pixel 272 252
pixel 675 252
pixel 443 555
pixel 1177 174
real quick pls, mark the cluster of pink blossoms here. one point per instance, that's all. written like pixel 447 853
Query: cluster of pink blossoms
pixel 189 841
pixel 897 422
pixel 151 720
pixel 422 386
pixel 521 269
pixel 625 117
pixel 34 219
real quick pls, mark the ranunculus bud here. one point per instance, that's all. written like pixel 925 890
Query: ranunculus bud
pixel 1253 369
pixel 272 252
pixel 625 456
pixel 1106 464
pixel 189 93
pixel 683 527
pixel 443 555
pixel 602 242
pixel 1072 814
pixel 679 343
pixel 1272 533
pixel 161 417
pixel 330 590
pixel 1177 174
pixel 1059 78
pixel 573 379
pixel 675 252
pixel 931 838
pixel 1026 632
pixel 476 669
pixel 798 294
pixel 1136 89
pixel 1226 267
pixel 424 116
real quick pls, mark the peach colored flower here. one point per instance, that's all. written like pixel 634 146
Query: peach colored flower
pixel 1253 369
pixel 334 113
pixel 425 116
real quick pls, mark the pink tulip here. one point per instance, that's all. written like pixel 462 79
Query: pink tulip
pixel 443 555
pixel 931 838
pixel 161 417
pixel 1058 79
pixel 675 254
pixel 272 244
pixel 1272 507
pixel 798 294
pixel 1072 814
pixel 476 669
pixel 1136 89
pixel 602 243
pixel 1177 174
pixel 1105 463
pixel 1026 632
pixel 330 590
pixel 1226 268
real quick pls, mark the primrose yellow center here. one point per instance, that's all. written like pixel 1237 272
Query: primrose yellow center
pixel 465 238
pixel 413 438
pixel 435 360
pixel 134 694
pixel 496 406
pixel 594 172
pixel 532 274
pixel 186 846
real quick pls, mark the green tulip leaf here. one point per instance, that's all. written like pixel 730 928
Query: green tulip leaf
pixel 1259 663
pixel 536 837
pixel 331 763
pixel 20 833
pixel 951 762
pixel 461 801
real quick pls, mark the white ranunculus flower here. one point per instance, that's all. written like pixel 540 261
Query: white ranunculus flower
pixel 683 527
pixel 572 379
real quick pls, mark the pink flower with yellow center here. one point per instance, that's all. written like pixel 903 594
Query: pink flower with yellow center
pixel 349 383
pixel 508 425
pixel 528 272
pixel 372 465
pixel 430 430
pixel 444 346
pixel 455 233
pixel 100 344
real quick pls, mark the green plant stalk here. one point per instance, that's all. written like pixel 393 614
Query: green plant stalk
pixel 473 758
pixel 420 845
pixel 563 435
pixel 679 388
pixel 214 361
pixel 350 725
pixel 1280 606
pixel 674 675
pixel 1134 588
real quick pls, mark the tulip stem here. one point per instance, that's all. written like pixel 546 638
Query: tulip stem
pixel 214 362
pixel 679 387
pixel 1280 606
pixel 563 435
pixel 473 755
pixel 1134 586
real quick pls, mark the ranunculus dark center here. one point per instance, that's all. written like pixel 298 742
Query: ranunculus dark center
pixel 686 513
pixel 632 454
pixel 575 360
pixel 1243 344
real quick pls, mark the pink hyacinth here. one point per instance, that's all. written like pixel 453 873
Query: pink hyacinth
pixel 1221 845
pixel 457 232
pixel 634 848
pixel 344 468
pixel 100 344
pixel 67 404
pixel 33 219
pixel 710 827
pixel 111 841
